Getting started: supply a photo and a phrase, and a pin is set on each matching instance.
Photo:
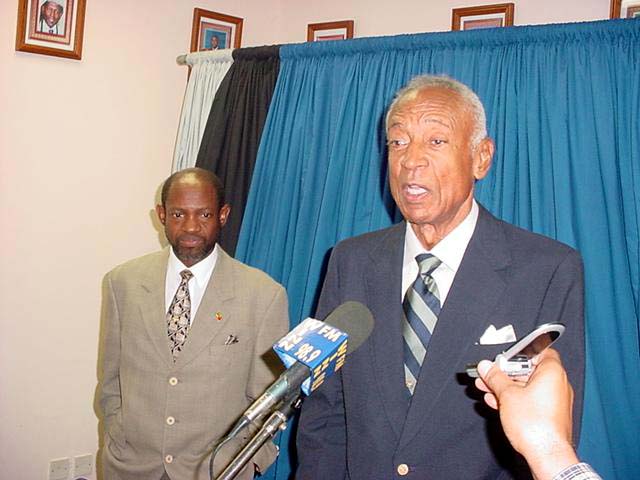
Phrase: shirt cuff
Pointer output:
(579, 471)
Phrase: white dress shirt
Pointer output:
(197, 284)
(449, 250)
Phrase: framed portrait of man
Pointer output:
(51, 27)
(214, 31)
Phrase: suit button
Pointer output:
(171, 420)
(403, 469)
(173, 381)
(168, 458)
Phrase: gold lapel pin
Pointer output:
(218, 316)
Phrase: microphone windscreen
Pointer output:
(354, 319)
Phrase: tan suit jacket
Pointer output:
(160, 415)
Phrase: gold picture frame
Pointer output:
(51, 27)
(321, 32)
(624, 9)
(213, 31)
(483, 16)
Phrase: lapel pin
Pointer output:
(218, 316)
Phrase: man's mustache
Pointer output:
(190, 237)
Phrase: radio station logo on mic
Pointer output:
(319, 346)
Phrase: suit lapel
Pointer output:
(206, 326)
(152, 305)
(477, 287)
(384, 268)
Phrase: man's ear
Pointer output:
(223, 214)
(482, 158)
(162, 215)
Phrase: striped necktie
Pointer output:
(421, 307)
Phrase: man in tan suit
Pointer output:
(187, 344)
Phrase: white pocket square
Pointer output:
(493, 336)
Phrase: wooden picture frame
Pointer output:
(51, 27)
(321, 32)
(214, 31)
(624, 9)
(483, 16)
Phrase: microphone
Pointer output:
(351, 317)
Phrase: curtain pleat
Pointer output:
(563, 104)
(207, 71)
(234, 128)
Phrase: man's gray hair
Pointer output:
(468, 96)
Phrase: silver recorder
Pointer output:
(516, 360)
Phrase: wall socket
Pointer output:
(83, 465)
(59, 469)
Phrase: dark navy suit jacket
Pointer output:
(362, 425)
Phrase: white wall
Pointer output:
(83, 148)
(373, 18)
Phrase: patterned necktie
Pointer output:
(179, 315)
(421, 307)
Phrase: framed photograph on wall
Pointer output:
(625, 9)
(51, 27)
(320, 32)
(483, 16)
(214, 31)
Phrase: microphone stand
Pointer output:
(276, 421)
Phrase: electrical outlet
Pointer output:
(59, 469)
(83, 465)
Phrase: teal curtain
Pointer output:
(563, 105)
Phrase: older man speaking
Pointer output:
(448, 286)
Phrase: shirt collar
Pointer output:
(451, 248)
(201, 270)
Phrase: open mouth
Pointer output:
(413, 191)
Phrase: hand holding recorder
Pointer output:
(536, 415)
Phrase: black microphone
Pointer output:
(352, 318)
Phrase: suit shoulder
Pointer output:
(253, 277)
(368, 241)
(536, 245)
(532, 239)
(137, 265)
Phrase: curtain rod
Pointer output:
(224, 55)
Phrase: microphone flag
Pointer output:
(317, 345)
